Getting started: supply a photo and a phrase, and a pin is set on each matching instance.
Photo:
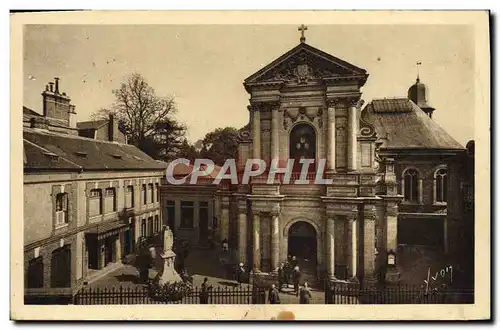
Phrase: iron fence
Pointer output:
(354, 293)
(141, 295)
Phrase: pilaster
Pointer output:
(331, 143)
(369, 274)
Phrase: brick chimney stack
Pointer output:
(57, 105)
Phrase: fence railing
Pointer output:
(141, 295)
(353, 293)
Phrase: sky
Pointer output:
(203, 66)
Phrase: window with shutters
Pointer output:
(61, 209)
(110, 200)
(95, 202)
(151, 191)
(129, 197)
(143, 227)
(144, 195)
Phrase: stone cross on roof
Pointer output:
(302, 30)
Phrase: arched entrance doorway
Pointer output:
(302, 145)
(302, 243)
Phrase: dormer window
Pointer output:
(81, 154)
(52, 156)
(116, 156)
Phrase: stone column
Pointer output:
(256, 133)
(330, 247)
(369, 276)
(275, 239)
(242, 230)
(224, 223)
(256, 242)
(353, 247)
(275, 146)
(330, 154)
(352, 137)
(217, 214)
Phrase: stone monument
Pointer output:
(169, 274)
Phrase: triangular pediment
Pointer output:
(305, 62)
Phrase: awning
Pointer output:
(108, 229)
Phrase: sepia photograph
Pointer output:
(226, 160)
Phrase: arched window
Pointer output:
(440, 185)
(302, 145)
(411, 189)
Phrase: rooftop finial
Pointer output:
(302, 30)
(418, 72)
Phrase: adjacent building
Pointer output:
(88, 197)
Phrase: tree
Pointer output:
(188, 151)
(220, 144)
(146, 118)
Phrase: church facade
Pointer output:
(390, 176)
(306, 105)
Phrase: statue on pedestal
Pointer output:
(169, 274)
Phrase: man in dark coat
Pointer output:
(305, 294)
(205, 288)
(281, 277)
(274, 297)
(240, 273)
(296, 275)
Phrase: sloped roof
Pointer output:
(95, 124)
(342, 66)
(29, 113)
(401, 124)
(75, 152)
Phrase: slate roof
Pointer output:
(405, 126)
(46, 150)
(29, 113)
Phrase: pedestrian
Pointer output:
(281, 277)
(296, 280)
(225, 245)
(240, 273)
(294, 262)
(205, 288)
(274, 297)
(305, 294)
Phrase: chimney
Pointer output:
(57, 85)
(112, 127)
(55, 105)
(72, 116)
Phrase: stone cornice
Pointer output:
(264, 105)
(349, 100)
(266, 198)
